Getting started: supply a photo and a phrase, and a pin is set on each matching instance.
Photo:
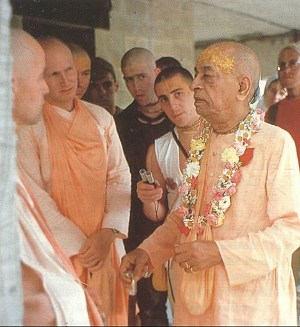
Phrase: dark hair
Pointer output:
(100, 67)
(165, 62)
(172, 71)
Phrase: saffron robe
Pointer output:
(254, 285)
(52, 292)
(34, 160)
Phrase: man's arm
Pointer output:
(118, 180)
(154, 197)
(32, 142)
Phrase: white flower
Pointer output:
(197, 145)
(192, 169)
(230, 155)
(224, 203)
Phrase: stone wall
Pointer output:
(165, 30)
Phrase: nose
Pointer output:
(136, 84)
(101, 89)
(196, 84)
(64, 79)
(173, 104)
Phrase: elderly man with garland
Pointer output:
(238, 223)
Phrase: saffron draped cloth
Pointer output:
(41, 251)
(197, 287)
(78, 176)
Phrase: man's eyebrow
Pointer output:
(162, 96)
(176, 90)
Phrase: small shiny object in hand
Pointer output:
(147, 273)
(128, 274)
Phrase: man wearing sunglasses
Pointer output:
(286, 113)
(104, 85)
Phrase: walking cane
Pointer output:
(132, 303)
(132, 299)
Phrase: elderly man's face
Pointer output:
(214, 85)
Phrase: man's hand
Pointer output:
(197, 255)
(96, 249)
(149, 193)
(136, 264)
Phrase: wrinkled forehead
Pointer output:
(218, 58)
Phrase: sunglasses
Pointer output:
(292, 64)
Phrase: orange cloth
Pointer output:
(254, 285)
(42, 256)
(35, 165)
(78, 174)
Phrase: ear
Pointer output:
(116, 83)
(157, 71)
(244, 88)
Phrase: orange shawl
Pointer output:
(78, 176)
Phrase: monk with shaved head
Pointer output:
(238, 222)
(53, 294)
(74, 163)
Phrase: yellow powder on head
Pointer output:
(218, 58)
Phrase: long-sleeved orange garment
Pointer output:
(254, 285)
(75, 166)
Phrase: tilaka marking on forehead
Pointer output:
(216, 57)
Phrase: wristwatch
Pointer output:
(115, 231)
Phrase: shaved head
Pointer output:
(233, 57)
(134, 55)
(60, 74)
(29, 86)
(23, 48)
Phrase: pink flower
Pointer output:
(227, 165)
(183, 189)
(212, 219)
(231, 190)
(217, 195)
(183, 211)
(236, 177)
(194, 181)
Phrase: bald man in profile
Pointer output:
(52, 292)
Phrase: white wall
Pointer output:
(150, 24)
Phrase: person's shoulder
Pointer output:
(126, 117)
(272, 134)
(100, 113)
(164, 138)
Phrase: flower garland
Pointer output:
(233, 157)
